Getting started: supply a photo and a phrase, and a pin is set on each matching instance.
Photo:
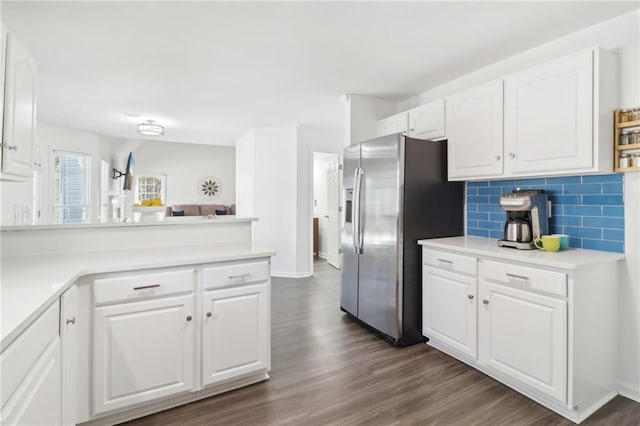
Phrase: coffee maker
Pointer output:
(527, 218)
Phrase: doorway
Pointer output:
(327, 185)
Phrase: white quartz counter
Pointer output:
(567, 259)
(30, 283)
(170, 221)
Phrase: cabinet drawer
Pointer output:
(235, 274)
(524, 277)
(450, 261)
(132, 287)
(20, 357)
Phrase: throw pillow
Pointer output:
(177, 213)
(221, 212)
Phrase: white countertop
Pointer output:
(31, 283)
(170, 221)
(570, 259)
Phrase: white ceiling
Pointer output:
(211, 71)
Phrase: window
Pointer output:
(70, 187)
(148, 187)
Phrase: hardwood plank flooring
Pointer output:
(328, 370)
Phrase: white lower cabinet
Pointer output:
(524, 335)
(31, 368)
(168, 336)
(38, 401)
(69, 336)
(449, 309)
(548, 333)
(235, 333)
(143, 351)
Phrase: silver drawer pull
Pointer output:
(144, 287)
(71, 321)
(239, 276)
(9, 147)
(446, 261)
(520, 277)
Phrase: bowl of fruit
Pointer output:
(148, 207)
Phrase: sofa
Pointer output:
(200, 209)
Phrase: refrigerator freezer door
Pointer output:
(349, 285)
(379, 287)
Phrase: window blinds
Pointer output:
(70, 192)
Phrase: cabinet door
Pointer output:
(37, 401)
(449, 310)
(19, 110)
(142, 351)
(427, 121)
(474, 132)
(524, 336)
(394, 124)
(549, 116)
(69, 336)
(236, 333)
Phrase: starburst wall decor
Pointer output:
(209, 187)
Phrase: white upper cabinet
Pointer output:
(549, 118)
(395, 124)
(474, 132)
(427, 121)
(19, 110)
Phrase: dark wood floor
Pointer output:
(328, 370)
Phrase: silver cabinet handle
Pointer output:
(498, 157)
(189, 318)
(512, 154)
(145, 287)
(71, 321)
(470, 296)
(209, 314)
(412, 130)
(520, 277)
(450, 262)
(9, 147)
(485, 301)
(239, 276)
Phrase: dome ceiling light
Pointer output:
(150, 128)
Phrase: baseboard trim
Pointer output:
(629, 391)
(322, 255)
(279, 274)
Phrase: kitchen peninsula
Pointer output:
(131, 318)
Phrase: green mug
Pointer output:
(548, 243)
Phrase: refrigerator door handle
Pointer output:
(354, 210)
(357, 224)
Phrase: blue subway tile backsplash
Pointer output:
(590, 209)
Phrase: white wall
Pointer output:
(275, 184)
(361, 114)
(52, 138)
(620, 35)
(321, 163)
(184, 164)
(267, 189)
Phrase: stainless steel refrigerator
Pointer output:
(396, 192)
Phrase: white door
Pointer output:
(427, 121)
(69, 337)
(38, 400)
(142, 351)
(549, 116)
(19, 110)
(474, 132)
(333, 232)
(524, 336)
(449, 309)
(235, 333)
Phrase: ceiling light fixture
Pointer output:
(150, 128)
